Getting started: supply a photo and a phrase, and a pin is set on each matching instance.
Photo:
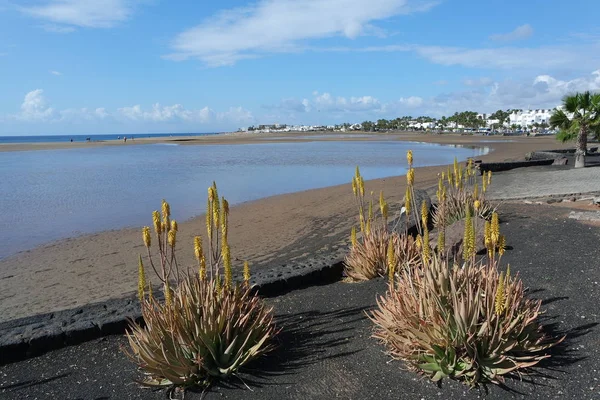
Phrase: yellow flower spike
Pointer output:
(209, 215)
(362, 186)
(202, 270)
(410, 176)
(475, 191)
(227, 264)
(467, 250)
(455, 165)
(487, 235)
(167, 294)
(216, 213)
(426, 247)
(441, 243)
(174, 225)
(353, 239)
(424, 213)
(419, 242)
(495, 229)
(500, 299)
(449, 177)
(384, 211)
(163, 227)
(146, 236)
(370, 210)
(225, 205)
(354, 186)
(391, 261)
(141, 279)
(409, 157)
(501, 245)
(166, 209)
(368, 227)
(362, 223)
(477, 205)
(198, 252)
(381, 201)
(156, 222)
(215, 191)
(357, 172)
(224, 218)
(211, 193)
(246, 273)
(489, 178)
(172, 238)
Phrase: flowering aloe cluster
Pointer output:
(379, 251)
(458, 193)
(208, 326)
(466, 318)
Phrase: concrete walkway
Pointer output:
(537, 182)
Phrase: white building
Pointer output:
(526, 118)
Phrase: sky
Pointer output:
(158, 66)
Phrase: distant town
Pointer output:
(534, 121)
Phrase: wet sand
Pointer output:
(270, 231)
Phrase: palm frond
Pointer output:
(560, 120)
(571, 103)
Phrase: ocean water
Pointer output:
(52, 194)
(83, 138)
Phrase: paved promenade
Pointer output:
(544, 182)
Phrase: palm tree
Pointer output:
(581, 115)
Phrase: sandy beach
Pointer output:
(96, 267)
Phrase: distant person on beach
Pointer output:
(71, 140)
(124, 139)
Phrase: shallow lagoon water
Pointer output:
(53, 194)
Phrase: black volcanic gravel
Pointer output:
(326, 350)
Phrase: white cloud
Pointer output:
(56, 73)
(570, 57)
(34, 107)
(543, 91)
(476, 82)
(326, 102)
(80, 13)
(520, 32)
(412, 101)
(274, 26)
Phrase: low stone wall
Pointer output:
(505, 166)
(31, 336)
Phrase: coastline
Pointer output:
(100, 266)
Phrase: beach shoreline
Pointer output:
(96, 267)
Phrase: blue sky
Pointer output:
(126, 66)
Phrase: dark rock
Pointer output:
(454, 235)
(561, 161)
(508, 165)
(543, 155)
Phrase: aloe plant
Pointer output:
(208, 326)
